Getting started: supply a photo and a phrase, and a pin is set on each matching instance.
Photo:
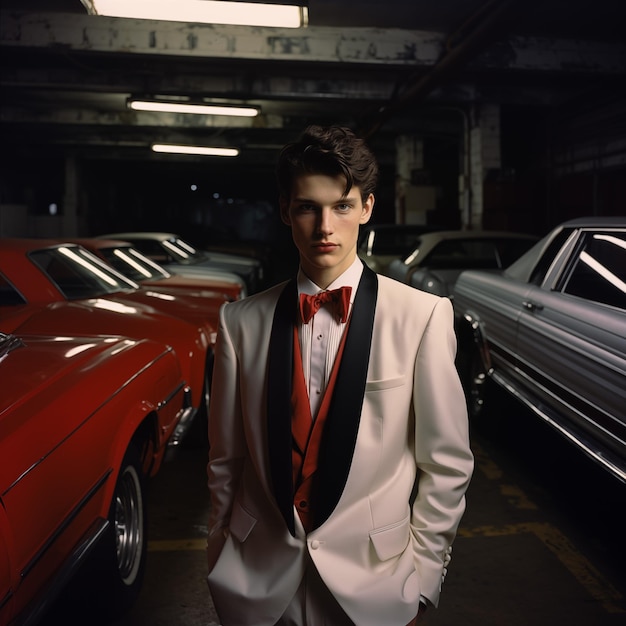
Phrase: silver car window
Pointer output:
(599, 271)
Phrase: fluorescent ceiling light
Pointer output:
(198, 109)
(200, 150)
(273, 14)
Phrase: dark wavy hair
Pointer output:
(331, 151)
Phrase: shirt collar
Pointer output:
(350, 278)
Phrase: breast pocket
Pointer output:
(386, 383)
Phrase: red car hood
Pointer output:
(49, 359)
(101, 316)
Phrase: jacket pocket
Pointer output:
(387, 383)
(241, 522)
(391, 540)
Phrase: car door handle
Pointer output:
(532, 306)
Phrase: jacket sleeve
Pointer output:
(442, 451)
(226, 440)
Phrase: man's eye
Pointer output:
(344, 207)
(306, 208)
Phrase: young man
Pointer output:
(339, 454)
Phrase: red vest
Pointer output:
(306, 432)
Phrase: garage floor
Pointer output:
(542, 541)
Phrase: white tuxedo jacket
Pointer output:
(394, 461)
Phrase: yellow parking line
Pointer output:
(513, 494)
(517, 497)
(584, 572)
(486, 465)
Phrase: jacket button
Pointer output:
(315, 544)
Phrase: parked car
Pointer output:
(438, 258)
(380, 244)
(551, 330)
(136, 266)
(84, 422)
(52, 288)
(180, 257)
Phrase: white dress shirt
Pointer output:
(320, 338)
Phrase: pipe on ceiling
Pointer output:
(473, 34)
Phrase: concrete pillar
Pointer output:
(485, 155)
(412, 201)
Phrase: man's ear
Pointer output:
(283, 204)
(368, 207)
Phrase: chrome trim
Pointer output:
(8, 343)
(569, 397)
(172, 395)
(182, 428)
(532, 377)
(188, 415)
(479, 339)
(555, 268)
(596, 455)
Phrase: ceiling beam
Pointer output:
(233, 86)
(323, 44)
(354, 46)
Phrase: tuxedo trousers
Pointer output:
(313, 604)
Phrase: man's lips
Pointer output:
(326, 246)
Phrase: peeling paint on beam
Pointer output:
(328, 45)
(357, 46)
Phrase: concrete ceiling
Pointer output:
(382, 67)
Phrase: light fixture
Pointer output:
(197, 150)
(273, 13)
(190, 107)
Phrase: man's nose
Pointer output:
(324, 224)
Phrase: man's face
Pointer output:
(325, 224)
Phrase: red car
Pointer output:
(133, 264)
(84, 421)
(57, 289)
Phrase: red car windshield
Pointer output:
(79, 274)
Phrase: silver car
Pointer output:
(180, 257)
(436, 259)
(551, 330)
(380, 244)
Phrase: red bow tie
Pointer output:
(340, 299)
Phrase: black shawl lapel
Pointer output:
(342, 422)
(279, 401)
